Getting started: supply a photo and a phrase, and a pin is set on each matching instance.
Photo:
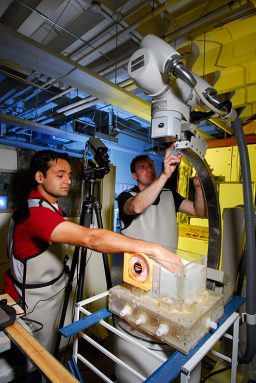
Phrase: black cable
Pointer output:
(214, 373)
(52, 296)
(33, 321)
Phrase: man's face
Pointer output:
(144, 172)
(57, 181)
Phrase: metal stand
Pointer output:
(89, 206)
(177, 365)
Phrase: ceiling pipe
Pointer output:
(75, 104)
(25, 81)
(83, 103)
(69, 90)
(131, 27)
(32, 93)
(120, 21)
(82, 107)
(79, 50)
(54, 23)
(90, 101)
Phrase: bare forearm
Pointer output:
(146, 197)
(109, 242)
(105, 241)
(200, 203)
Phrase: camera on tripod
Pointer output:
(100, 167)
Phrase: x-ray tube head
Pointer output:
(162, 51)
(146, 68)
(143, 69)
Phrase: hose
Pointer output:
(249, 353)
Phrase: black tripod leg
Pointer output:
(80, 288)
(86, 220)
(97, 206)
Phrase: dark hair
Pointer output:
(141, 157)
(41, 161)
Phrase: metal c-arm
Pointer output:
(157, 68)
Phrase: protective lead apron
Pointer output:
(43, 304)
(157, 224)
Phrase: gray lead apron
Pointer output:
(157, 223)
(44, 303)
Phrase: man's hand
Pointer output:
(171, 161)
(168, 259)
(196, 181)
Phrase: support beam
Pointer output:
(32, 55)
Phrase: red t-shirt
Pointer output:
(32, 236)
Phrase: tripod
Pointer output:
(89, 206)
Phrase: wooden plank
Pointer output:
(45, 362)
(42, 359)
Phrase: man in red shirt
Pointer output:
(38, 230)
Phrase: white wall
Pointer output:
(8, 162)
(8, 158)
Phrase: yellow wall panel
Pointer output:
(231, 78)
(225, 162)
(231, 194)
(248, 111)
(252, 157)
(235, 165)
(226, 46)
(193, 239)
(220, 161)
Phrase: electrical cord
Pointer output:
(35, 322)
(214, 373)
(52, 296)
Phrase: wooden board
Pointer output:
(42, 359)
